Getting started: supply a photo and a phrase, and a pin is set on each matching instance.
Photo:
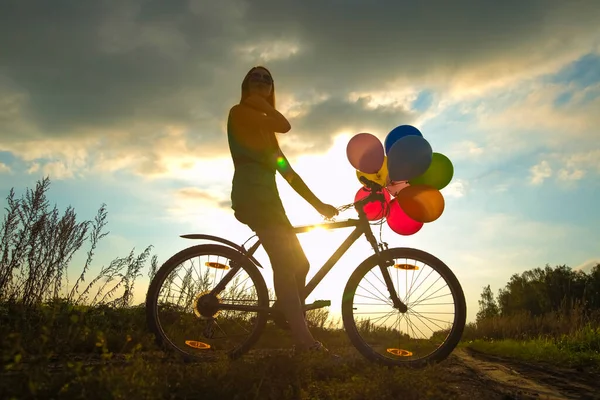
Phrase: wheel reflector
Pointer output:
(400, 352)
(216, 265)
(197, 345)
(406, 267)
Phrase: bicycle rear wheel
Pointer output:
(187, 319)
(431, 327)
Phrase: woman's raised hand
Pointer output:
(259, 103)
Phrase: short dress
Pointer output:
(254, 195)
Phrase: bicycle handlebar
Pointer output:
(375, 195)
(374, 186)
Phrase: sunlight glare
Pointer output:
(318, 228)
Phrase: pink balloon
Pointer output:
(395, 187)
(374, 210)
(401, 223)
(365, 153)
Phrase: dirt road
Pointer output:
(490, 377)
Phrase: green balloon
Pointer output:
(438, 175)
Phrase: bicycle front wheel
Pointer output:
(186, 314)
(430, 328)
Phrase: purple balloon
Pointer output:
(365, 153)
(408, 158)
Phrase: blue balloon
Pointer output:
(408, 158)
(398, 133)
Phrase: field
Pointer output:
(62, 351)
(540, 338)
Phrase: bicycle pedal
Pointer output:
(317, 304)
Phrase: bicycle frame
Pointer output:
(361, 227)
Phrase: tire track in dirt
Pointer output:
(524, 381)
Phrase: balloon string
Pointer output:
(345, 207)
(351, 205)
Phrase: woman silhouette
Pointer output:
(256, 155)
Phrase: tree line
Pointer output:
(541, 291)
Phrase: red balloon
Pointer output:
(374, 210)
(401, 223)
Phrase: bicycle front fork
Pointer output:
(398, 304)
(383, 266)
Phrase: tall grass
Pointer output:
(37, 245)
(567, 337)
(42, 314)
(523, 326)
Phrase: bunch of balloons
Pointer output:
(410, 173)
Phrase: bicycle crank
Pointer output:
(206, 306)
(208, 331)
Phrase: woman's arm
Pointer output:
(285, 169)
(297, 183)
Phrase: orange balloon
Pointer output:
(422, 203)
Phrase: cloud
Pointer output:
(506, 129)
(269, 50)
(4, 168)
(587, 265)
(575, 166)
(190, 205)
(567, 167)
(574, 175)
(112, 78)
(441, 44)
(33, 168)
(457, 188)
(57, 170)
(196, 195)
(532, 109)
(540, 172)
(321, 121)
(466, 149)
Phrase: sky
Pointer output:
(125, 103)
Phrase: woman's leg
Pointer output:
(290, 268)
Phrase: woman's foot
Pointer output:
(317, 348)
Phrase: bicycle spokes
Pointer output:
(419, 329)
(189, 307)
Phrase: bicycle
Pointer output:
(230, 294)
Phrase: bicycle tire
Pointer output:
(152, 319)
(455, 334)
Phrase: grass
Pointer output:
(60, 350)
(276, 377)
(57, 350)
(540, 351)
(570, 339)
